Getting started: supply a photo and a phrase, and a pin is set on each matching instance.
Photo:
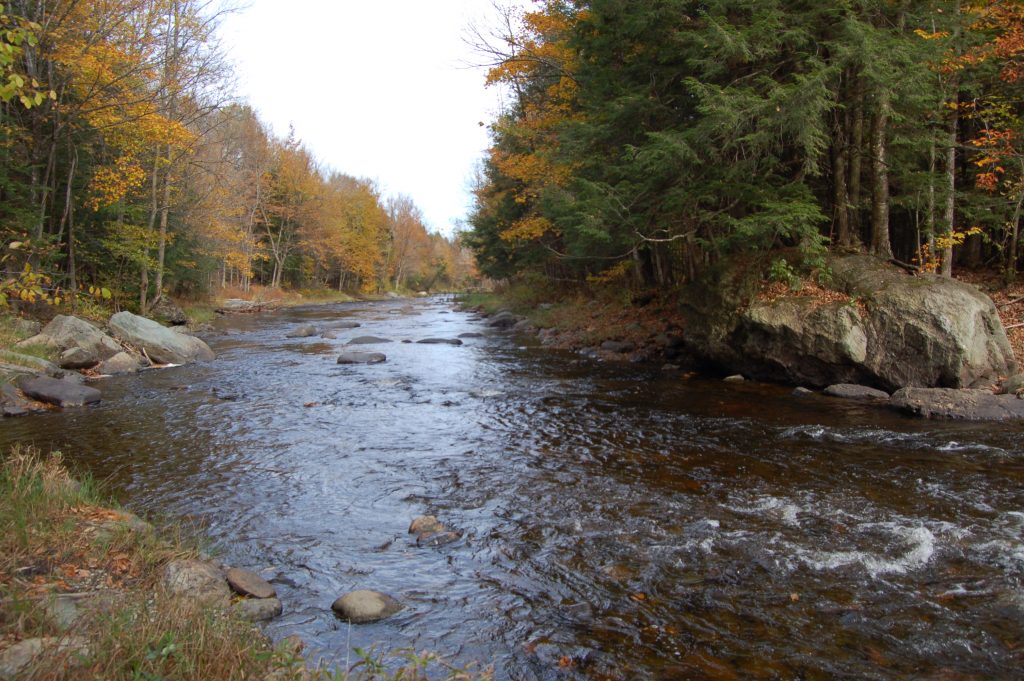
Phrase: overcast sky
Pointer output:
(374, 88)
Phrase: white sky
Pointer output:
(375, 88)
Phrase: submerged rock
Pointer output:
(967, 405)
(362, 358)
(368, 340)
(346, 325)
(435, 539)
(59, 392)
(161, 344)
(364, 606)
(440, 341)
(304, 331)
(471, 334)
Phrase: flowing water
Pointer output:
(618, 523)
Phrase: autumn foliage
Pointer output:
(126, 165)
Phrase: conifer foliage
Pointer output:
(656, 137)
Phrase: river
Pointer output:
(618, 523)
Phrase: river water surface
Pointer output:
(618, 523)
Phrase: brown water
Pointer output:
(618, 523)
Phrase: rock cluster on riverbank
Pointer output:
(128, 344)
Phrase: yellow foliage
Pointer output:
(533, 227)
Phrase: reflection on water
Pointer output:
(618, 523)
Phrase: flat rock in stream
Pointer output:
(471, 334)
(368, 340)
(362, 358)
(346, 325)
(950, 403)
(440, 341)
(851, 391)
(249, 583)
(364, 606)
(59, 392)
(618, 347)
(304, 331)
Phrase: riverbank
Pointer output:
(85, 595)
(649, 328)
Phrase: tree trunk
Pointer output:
(856, 149)
(950, 214)
(840, 197)
(880, 244)
(161, 247)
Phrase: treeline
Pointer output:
(125, 166)
(649, 139)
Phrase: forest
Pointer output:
(645, 141)
(130, 170)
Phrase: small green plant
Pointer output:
(782, 272)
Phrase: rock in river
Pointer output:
(362, 358)
(58, 392)
(967, 405)
(368, 340)
(851, 391)
(161, 344)
(363, 606)
(259, 609)
(425, 523)
(440, 341)
(249, 583)
(304, 331)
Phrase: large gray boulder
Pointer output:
(894, 330)
(82, 345)
(161, 344)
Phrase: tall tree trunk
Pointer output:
(840, 197)
(880, 244)
(856, 153)
(930, 215)
(161, 247)
(950, 214)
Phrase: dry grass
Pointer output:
(57, 537)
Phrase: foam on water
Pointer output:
(918, 542)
